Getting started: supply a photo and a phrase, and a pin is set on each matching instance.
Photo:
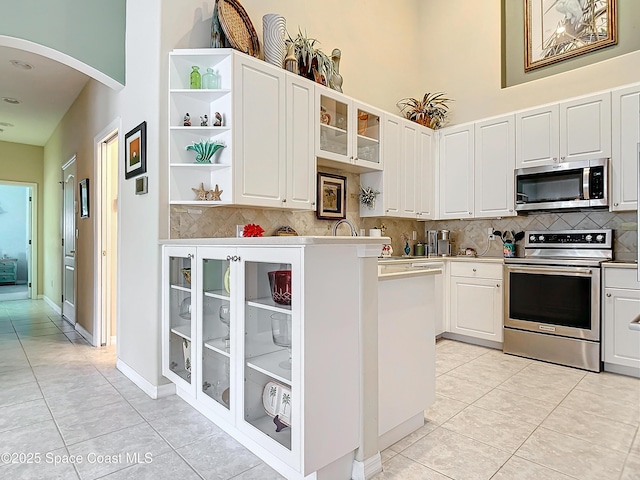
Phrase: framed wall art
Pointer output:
(332, 197)
(556, 30)
(135, 151)
(83, 186)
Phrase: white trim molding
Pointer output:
(86, 335)
(56, 308)
(153, 391)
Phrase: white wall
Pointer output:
(14, 226)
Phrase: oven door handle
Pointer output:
(635, 324)
(551, 270)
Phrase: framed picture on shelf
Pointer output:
(556, 31)
(332, 197)
(84, 198)
(135, 151)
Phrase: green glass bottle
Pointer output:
(195, 77)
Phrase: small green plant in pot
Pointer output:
(205, 149)
(431, 111)
(310, 58)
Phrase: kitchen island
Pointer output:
(296, 315)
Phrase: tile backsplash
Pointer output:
(473, 233)
(205, 222)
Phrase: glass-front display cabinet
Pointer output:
(348, 132)
(216, 338)
(271, 332)
(180, 323)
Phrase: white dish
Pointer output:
(276, 400)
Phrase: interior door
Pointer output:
(69, 240)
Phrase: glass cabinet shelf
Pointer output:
(181, 288)
(267, 303)
(269, 364)
(218, 345)
(220, 294)
(183, 331)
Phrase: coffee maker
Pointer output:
(439, 243)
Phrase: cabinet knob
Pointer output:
(608, 294)
(313, 204)
(562, 159)
(498, 285)
(284, 200)
(555, 159)
(189, 256)
(229, 258)
(470, 213)
(510, 210)
(615, 204)
(474, 269)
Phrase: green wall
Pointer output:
(91, 31)
(513, 43)
(25, 163)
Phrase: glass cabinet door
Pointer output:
(334, 128)
(368, 136)
(269, 337)
(217, 334)
(181, 316)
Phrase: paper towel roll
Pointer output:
(375, 232)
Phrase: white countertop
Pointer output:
(620, 264)
(440, 259)
(284, 240)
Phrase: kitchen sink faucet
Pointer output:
(344, 220)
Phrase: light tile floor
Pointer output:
(496, 417)
(508, 418)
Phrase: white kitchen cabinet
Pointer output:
(179, 348)
(348, 132)
(301, 161)
(426, 174)
(235, 357)
(259, 133)
(476, 300)
(585, 128)
(494, 167)
(409, 170)
(456, 162)
(578, 129)
(267, 127)
(621, 304)
(537, 136)
(625, 128)
(406, 184)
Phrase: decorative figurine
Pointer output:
(204, 121)
(187, 120)
(215, 194)
(201, 193)
(336, 78)
(218, 120)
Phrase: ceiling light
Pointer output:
(19, 64)
(6, 124)
(12, 101)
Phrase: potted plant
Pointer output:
(431, 111)
(311, 58)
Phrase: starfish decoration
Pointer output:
(201, 192)
(216, 193)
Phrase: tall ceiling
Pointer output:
(45, 92)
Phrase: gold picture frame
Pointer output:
(556, 30)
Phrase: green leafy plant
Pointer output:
(310, 57)
(368, 196)
(205, 150)
(431, 111)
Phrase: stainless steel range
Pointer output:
(552, 302)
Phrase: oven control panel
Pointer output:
(573, 238)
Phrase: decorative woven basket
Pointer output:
(237, 27)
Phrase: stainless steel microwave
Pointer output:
(567, 185)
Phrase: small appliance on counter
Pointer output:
(444, 243)
(432, 242)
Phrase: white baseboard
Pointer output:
(114, 339)
(368, 468)
(153, 391)
(87, 336)
(51, 303)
